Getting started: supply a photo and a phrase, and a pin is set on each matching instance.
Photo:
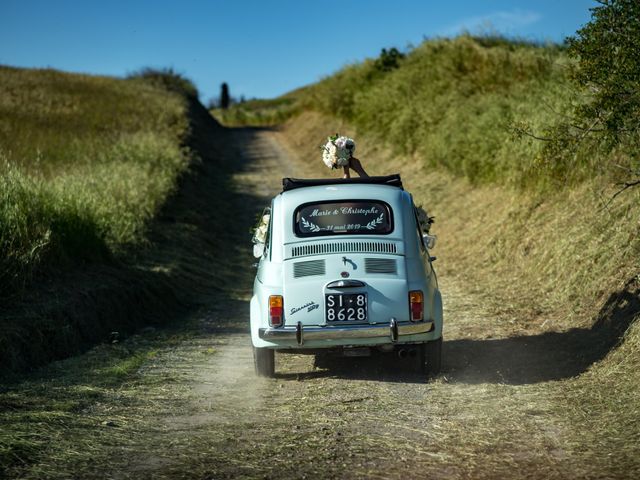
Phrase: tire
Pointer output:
(321, 360)
(433, 357)
(264, 362)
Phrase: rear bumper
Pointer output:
(393, 331)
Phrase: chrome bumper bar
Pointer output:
(393, 330)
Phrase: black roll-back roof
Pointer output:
(293, 183)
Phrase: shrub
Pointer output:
(168, 79)
(389, 59)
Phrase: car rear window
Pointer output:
(343, 217)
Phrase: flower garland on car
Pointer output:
(337, 151)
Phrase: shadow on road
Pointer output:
(547, 356)
(515, 361)
(378, 367)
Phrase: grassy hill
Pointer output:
(85, 163)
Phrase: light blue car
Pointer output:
(344, 264)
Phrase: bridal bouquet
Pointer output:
(337, 151)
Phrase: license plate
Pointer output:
(350, 307)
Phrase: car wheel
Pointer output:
(264, 361)
(433, 354)
(322, 360)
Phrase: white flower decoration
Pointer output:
(337, 151)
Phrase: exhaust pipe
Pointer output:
(406, 352)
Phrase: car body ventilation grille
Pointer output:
(343, 247)
(307, 269)
(380, 265)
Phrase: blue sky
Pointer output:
(260, 48)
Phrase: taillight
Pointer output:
(416, 305)
(275, 310)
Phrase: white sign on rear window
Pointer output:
(346, 217)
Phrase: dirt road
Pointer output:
(353, 419)
(195, 409)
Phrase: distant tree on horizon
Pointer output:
(225, 99)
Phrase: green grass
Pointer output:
(127, 366)
(258, 113)
(452, 102)
(85, 163)
(51, 412)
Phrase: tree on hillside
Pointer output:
(606, 74)
(225, 99)
(608, 68)
(389, 59)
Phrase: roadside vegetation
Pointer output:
(451, 102)
(85, 163)
(258, 112)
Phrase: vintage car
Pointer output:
(345, 264)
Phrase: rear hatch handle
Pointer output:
(346, 284)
